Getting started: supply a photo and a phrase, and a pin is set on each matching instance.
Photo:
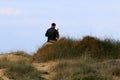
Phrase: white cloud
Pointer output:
(11, 11)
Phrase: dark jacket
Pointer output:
(52, 34)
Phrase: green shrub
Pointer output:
(89, 77)
(21, 70)
(87, 73)
(83, 69)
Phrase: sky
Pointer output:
(23, 23)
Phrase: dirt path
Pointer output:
(43, 67)
(2, 74)
(46, 69)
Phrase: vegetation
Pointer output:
(67, 48)
(20, 53)
(1, 78)
(84, 69)
(21, 70)
(89, 58)
(4, 62)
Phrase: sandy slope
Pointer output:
(46, 69)
(9, 57)
(46, 66)
(2, 74)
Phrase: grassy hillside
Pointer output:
(89, 58)
(15, 66)
(67, 48)
(86, 69)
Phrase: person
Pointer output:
(52, 33)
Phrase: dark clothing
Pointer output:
(52, 34)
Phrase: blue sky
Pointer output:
(23, 23)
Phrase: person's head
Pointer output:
(53, 25)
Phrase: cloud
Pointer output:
(11, 11)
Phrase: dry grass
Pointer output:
(67, 48)
(86, 69)
(17, 67)
(22, 70)
(85, 59)
(4, 62)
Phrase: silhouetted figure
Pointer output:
(52, 33)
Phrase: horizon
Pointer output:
(23, 23)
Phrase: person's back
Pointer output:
(52, 33)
